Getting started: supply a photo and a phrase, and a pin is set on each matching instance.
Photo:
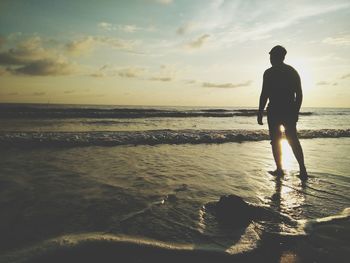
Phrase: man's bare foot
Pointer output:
(303, 174)
(277, 172)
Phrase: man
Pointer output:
(282, 87)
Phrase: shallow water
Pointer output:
(158, 192)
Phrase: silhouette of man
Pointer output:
(282, 87)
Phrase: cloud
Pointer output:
(131, 72)
(190, 81)
(226, 85)
(45, 67)
(116, 43)
(229, 22)
(338, 41)
(164, 79)
(14, 36)
(29, 57)
(124, 72)
(163, 2)
(198, 43)
(323, 83)
(165, 73)
(124, 28)
(25, 52)
(97, 74)
(326, 83)
(35, 57)
(11, 57)
(129, 28)
(184, 29)
(101, 72)
(105, 26)
(345, 76)
(88, 43)
(81, 46)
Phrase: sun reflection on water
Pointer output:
(287, 155)
(288, 196)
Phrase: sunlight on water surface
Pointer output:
(287, 155)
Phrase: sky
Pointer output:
(170, 52)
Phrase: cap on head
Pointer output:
(278, 51)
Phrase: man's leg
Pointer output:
(293, 140)
(275, 136)
(277, 151)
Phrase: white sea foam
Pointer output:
(152, 137)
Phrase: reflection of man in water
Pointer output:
(282, 87)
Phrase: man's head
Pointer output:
(277, 55)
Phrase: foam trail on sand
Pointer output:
(105, 245)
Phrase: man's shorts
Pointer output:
(275, 120)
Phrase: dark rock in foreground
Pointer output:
(231, 210)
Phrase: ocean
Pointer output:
(92, 183)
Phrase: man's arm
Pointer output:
(263, 100)
(298, 95)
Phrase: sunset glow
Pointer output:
(175, 52)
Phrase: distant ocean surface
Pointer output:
(82, 178)
(111, 125)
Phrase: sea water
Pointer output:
(71, 175)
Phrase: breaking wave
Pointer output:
(153, 137)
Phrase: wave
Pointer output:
(152, 137)
(92, 247)
(60, 112)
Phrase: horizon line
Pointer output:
(137, 105)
